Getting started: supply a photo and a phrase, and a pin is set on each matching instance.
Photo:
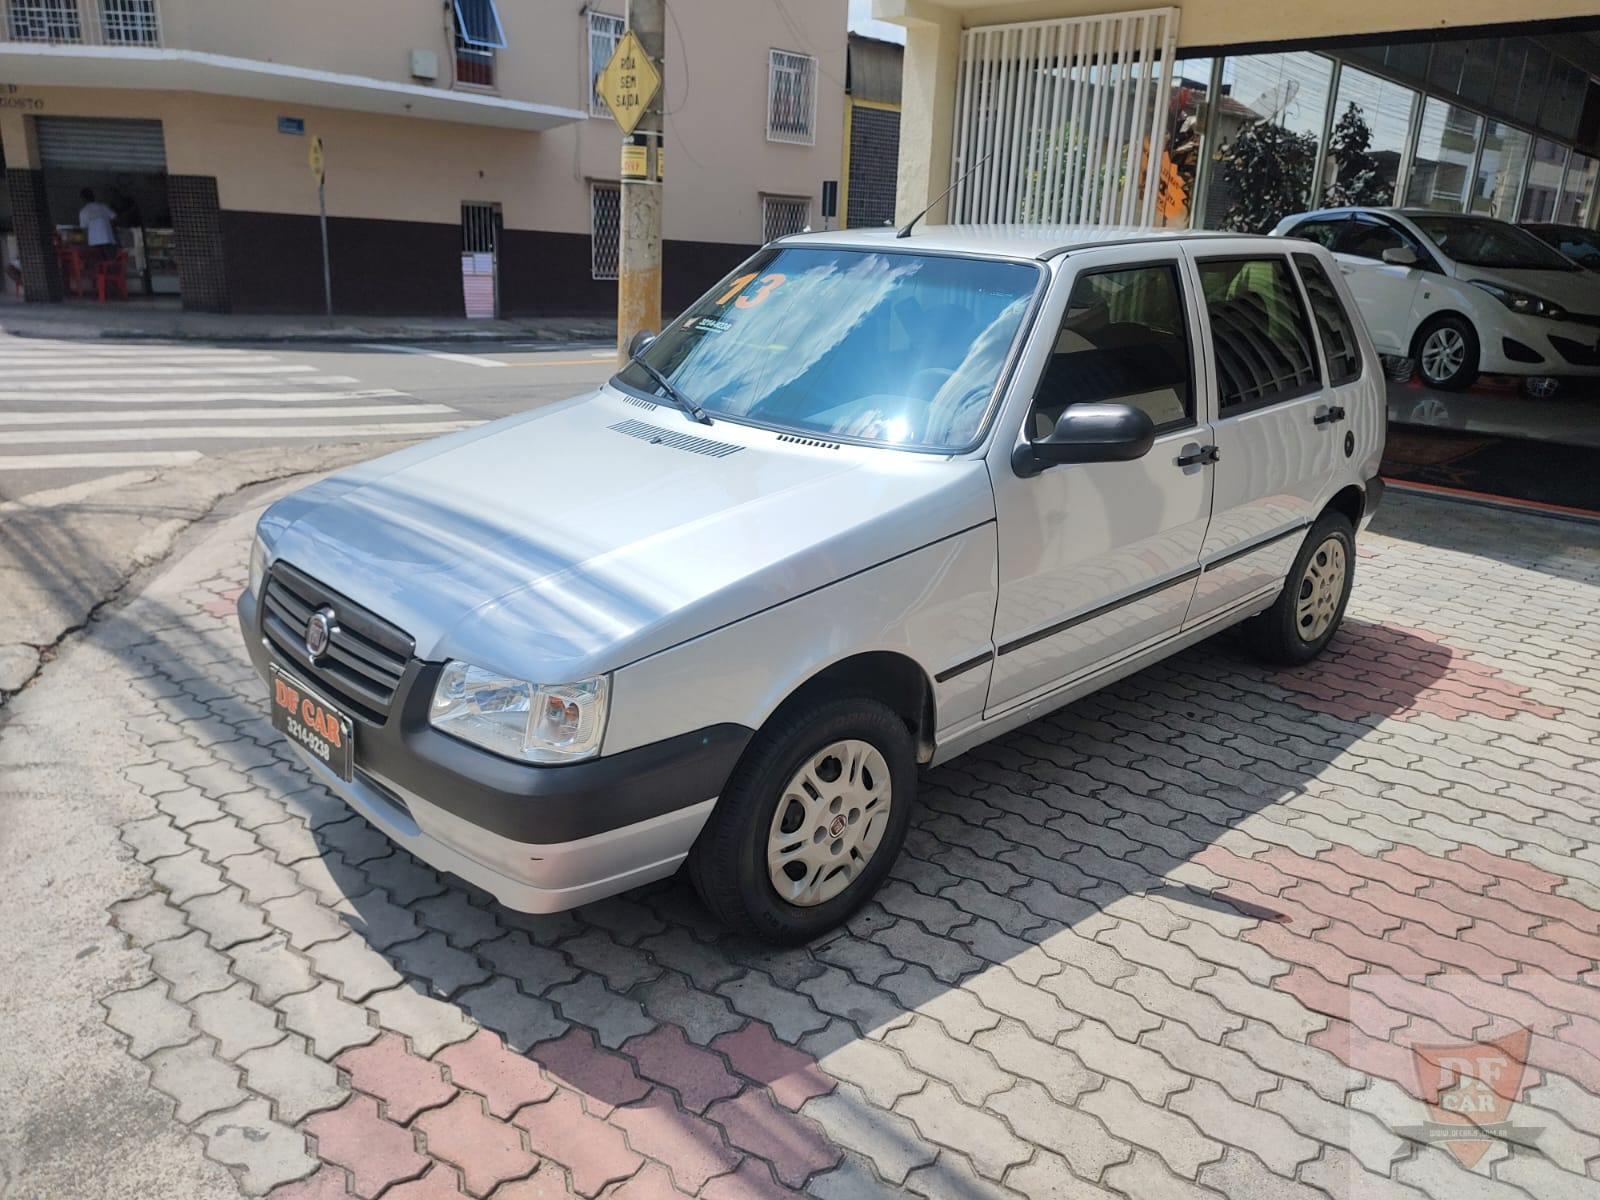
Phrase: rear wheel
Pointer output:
(1446, 351)
(1308, 612)
(810, 822)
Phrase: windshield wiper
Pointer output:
(692, 409)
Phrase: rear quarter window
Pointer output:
(1260, 335)
(1340, 345)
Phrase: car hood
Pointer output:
(1576, 291)
(580, 537)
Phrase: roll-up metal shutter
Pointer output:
(101, 143)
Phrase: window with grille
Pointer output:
(478, 35)
(605, 229)
(44, 21)
(792, 98)
(783, 215)
(131, 22)
(605, 31)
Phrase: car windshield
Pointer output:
(1479, 242)
(894, 349)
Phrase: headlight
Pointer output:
(1522, 302)
(258, 565)
(533, 722)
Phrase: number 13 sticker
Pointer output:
(769, 284)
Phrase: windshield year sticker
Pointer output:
(768, 284)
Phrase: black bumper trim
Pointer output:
(1374, 496)
(535, 805)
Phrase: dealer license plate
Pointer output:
(321, 729)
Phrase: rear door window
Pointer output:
(1125, 340)
(1340, 346)
(1369, 239)
(1260, 334)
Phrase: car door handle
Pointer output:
(1205, 454)
(1330, 416)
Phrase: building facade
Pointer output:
(871, 131)
(461, 141)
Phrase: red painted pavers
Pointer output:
(1453, 952)
(1500, 1001)
(377, 1153)
(405, 1082)
(1325, 959)
(752, 1181)
(1351, 909)
(593, 1152)
(1481, 908)
(1376, 1056)
(602, 1078)
(1385, 952)
(794, 1146)
(698, 1076)
(691, 1148)
(1259, 873)
(651, 1183)
(439, 1183)
(1367, 867)
(1425, 868)
(1421, 1000)
(1369, 1014)
(1535, 952)
(1412, 908)
(1507, 868)
(1560, 908)
(326, 1183)
(487, 1151)
(505, 1079)
(757, 1054)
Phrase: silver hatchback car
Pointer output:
(871, 501)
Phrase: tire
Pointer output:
(1446, 353)
(729, 862)
(1283, 635)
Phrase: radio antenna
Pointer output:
(905, 230)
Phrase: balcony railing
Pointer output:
(81, 22)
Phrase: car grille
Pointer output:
(1579, 354)
(366, 656)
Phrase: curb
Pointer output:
(339, 336)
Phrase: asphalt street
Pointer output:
(77, 418)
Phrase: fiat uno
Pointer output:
(872, 501)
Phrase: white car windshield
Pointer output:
(1479, 242)
(895, 349)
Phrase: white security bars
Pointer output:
(791, 98)
(1067, 118)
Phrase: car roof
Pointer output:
(1005, 241)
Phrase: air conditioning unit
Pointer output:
(424, 64)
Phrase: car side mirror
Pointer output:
(640, 342)
(1400, 256)
(1086, 433)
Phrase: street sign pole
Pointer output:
(639, 266)
(319, 169)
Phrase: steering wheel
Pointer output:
(925, 384)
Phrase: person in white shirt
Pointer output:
(99, 222)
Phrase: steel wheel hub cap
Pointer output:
(1443, 353)
(829, 822)
(1321, 588)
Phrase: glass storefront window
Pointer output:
(1269, 120)
(1372, 119)
(1180, 164)
(1445, 145)
(1577, 190)
(1544, 181)
(1505, 154)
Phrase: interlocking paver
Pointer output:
(794, 1146)
(613, 1017)
(791, 1076)
(428, 1024)
(698, 1076)
(266, 1152)
(850, 1119)
(296, 1081)
(190, 965)
(1265, 1134)
(376, 1152)
(354, 966)
(692, 1148)
(790, 1014)
(1073, 1134)
(272, 968)
(486, 1151)
(196, 1078)
(236, 1020)
(1183, 1147)
(404, 1082)
(971, 1072)
(593, 1152)
(331, 1024)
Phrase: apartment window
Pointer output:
(605, 229)
(1441, 167)
(605, 31)
(792, 98)
(1260, 335)
(478, 35)
(131, 22)
(783, 215)
(44, 21)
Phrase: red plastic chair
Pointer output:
(112, 276)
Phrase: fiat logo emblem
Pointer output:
(837, 827)
(318, 631)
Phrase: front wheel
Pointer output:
(810, 822)
(1307, 613)
(1447, 354)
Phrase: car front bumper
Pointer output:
(538, 838)
(1522, 345)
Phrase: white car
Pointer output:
(870, 502)
(1461, 295)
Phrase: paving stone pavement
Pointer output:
(1180, 939)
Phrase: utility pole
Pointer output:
(639, 265)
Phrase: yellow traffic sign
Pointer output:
(629, 82)
(314, 157)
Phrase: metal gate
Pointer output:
(1064, 120)
(480, 259)
(101, 143)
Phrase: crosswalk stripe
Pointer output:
(98, 459)
(41, 437)
(139, 415)
(264, 369)
(472, 359)
(192, 397)
(12, 349)
(198, 381)
(29, 361)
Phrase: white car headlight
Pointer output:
(258, 565)
(1522, 302)
(533, 722)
